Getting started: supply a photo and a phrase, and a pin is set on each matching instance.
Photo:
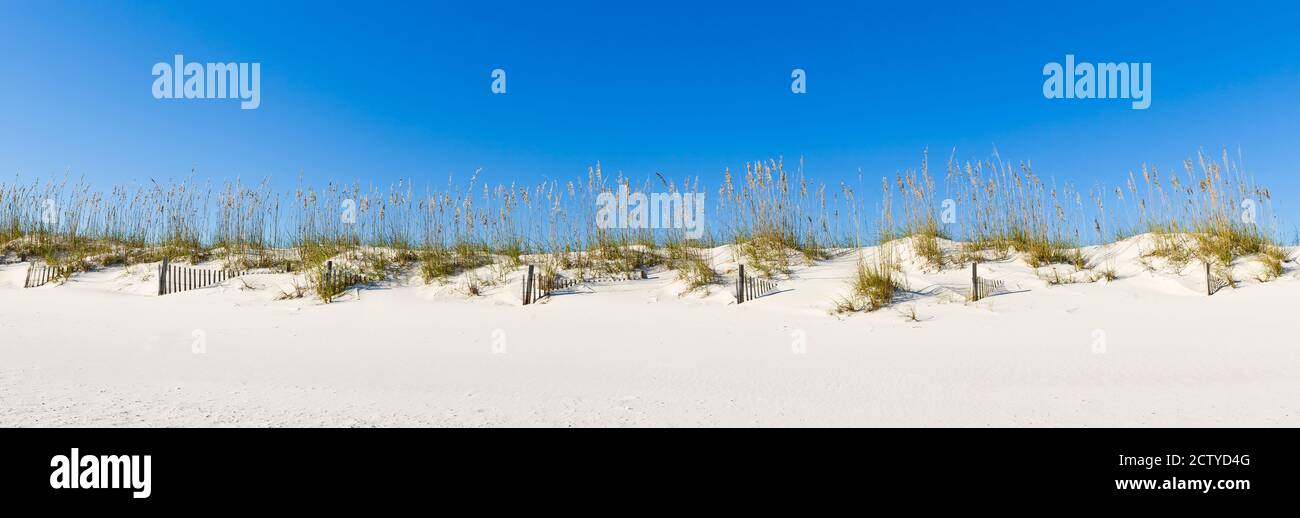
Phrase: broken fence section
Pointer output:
(750, 288)
(175, 279)
(42, 275)
(338, 281)
(537, 286)
(981, 287)
(1214, 283)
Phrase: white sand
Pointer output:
(103, 350)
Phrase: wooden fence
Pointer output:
(175, 279)
(981, 287)
(336, 282)
(1214, 283)
(750, 288)
(42, 275)
(538, 286)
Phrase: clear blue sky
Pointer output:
(373, 91)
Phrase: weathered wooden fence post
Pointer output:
(533, 284)
(974, 281)
(740, 287)
(528, 290)
(1209, 287)
(523, 293)
(162, 277)
(329, 277)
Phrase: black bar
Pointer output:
(963, 468)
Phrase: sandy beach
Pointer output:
(1147, 349)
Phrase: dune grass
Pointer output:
(772, 220)
(872, 287)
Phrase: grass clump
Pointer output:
(773, 215)
(927, 247)
(1271, 257)
(872, 287)
(917, 188)
(691, 265)
(767, 255)
(440, 263)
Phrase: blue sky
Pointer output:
(373, 92)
